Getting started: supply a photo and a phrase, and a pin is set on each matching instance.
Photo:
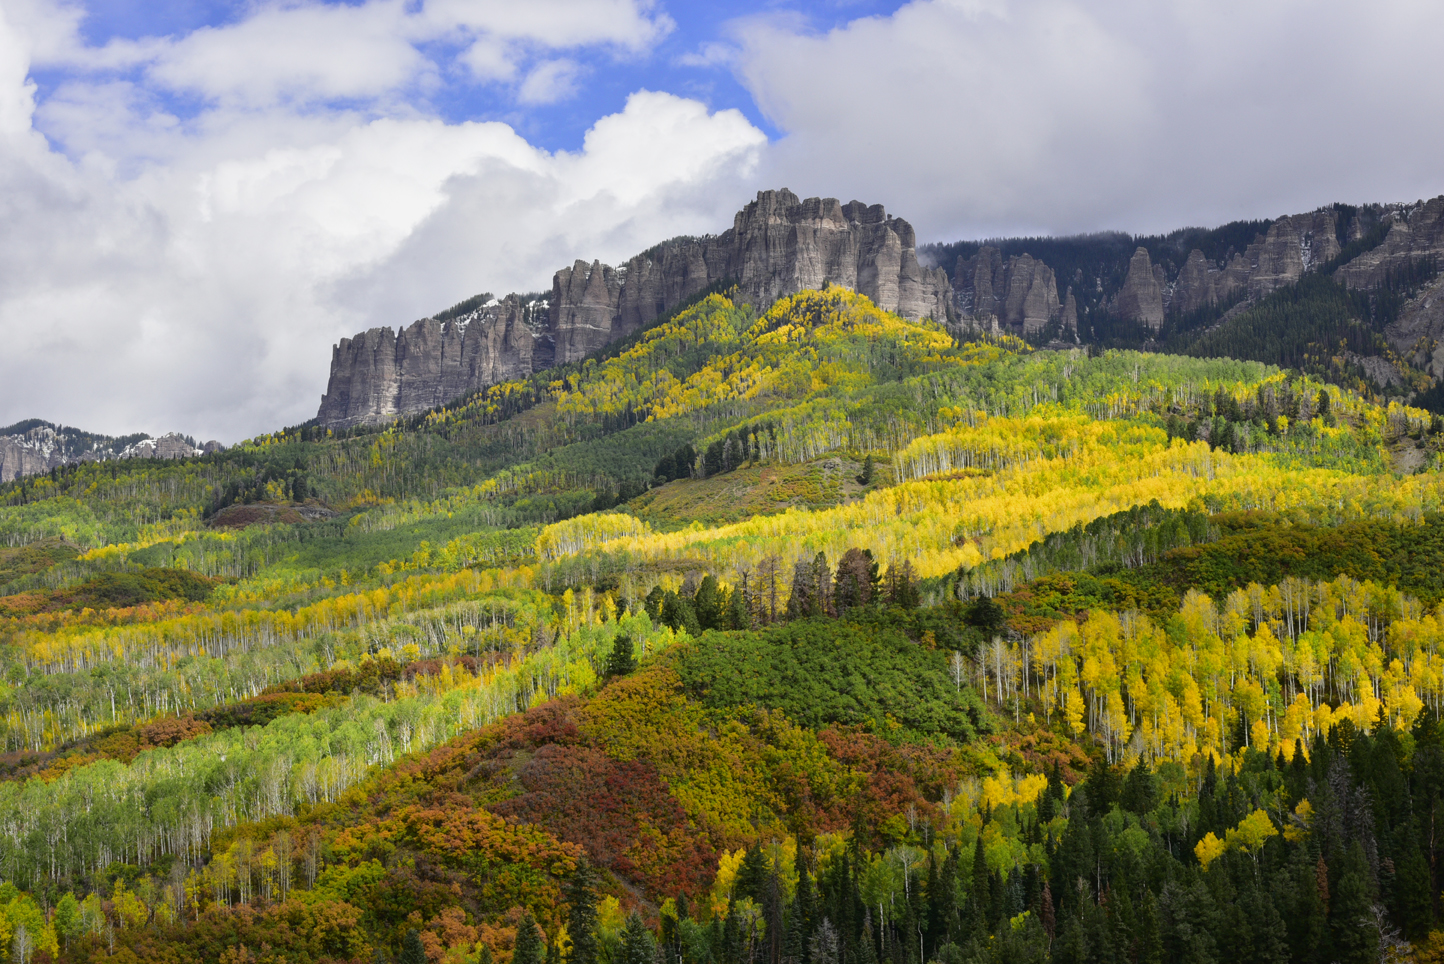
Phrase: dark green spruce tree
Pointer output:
(582, 915)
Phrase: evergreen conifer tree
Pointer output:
(637, 944)
(412, 950)
(582, 916)
(621, 662)
(529, 948)
(1351, 920)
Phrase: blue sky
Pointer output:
(606, 79)
(201, 198)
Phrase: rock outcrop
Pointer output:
(1416, 234)
(172, 445)
(1418, 334)
(28, 453)
(1201, 283)
(40, 446)
(1291, 246)
(1014, 295)
(1019, 296)
(380, 373)
(1141, 298)
(777, 245)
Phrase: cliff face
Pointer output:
(30, 453)
(777, 245)
(1142, 296)
(1415, 235)
(42, 446)
(379, 373)
(1019, 296)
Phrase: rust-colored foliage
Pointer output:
(619, 810)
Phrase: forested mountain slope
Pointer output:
(813, 634)
(1347, 293)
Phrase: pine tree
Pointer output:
(707, 604)
(1140, 790)
(752, 875)
(739, 608)
(638, 946)
(799, 601)
(1351, 919)
(979, 892)
(582, 915)
(1413, 906)
(804, 907)
(529, 948)
(732, 937)
(621, 662)
(820, 603)
(412, 950)
(653, 603)
(867, 946)
(1150, 940)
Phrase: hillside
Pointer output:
(1345, 293)
(35, 446)
(812, 634)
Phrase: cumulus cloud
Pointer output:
(978, 116)
(309, 51)
(550, 82)
(305, 52)
(159, 272)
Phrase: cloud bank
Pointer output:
(975, 117)
(159, 272)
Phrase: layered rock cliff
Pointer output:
(1021, 295)
(1142, 296)
(35, 446)
(1415, 235)
(1018, 295)
(380, 373)
(777, 245)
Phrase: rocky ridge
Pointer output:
(35, 447)
(1415, 234)
(777, 245)
(1020, 295)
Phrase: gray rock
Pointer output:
(1417, 233)
(169, 446)
(1141, 298)
(777, 246)
(1019, 296)
(45, 446)
(1418, 334)
(379, 374)
(29, 453)
(1291, 246)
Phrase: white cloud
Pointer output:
(489, 59)
(972, 117)
(549, 82)
(17, 92)
(630, 24)
(194, 274)
(303, 51)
